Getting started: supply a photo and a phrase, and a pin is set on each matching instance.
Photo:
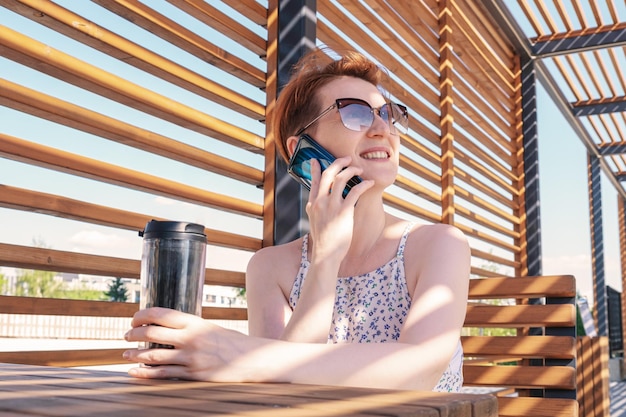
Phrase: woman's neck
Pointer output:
(369, 224)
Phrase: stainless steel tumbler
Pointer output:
(173, 263)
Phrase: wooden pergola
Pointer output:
(578, 52)
(116, 112)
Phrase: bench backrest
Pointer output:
(533, 371)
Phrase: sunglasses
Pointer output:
(358, 115)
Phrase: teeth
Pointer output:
(375, 155)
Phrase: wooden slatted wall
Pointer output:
(462, 163)
(116, 112)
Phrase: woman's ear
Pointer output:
(292, 141)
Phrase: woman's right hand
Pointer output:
(331, 217)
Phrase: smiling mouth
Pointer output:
(375, 155)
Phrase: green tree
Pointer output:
(83, 293)
(32, 283)
(117, 291)
(3, 284)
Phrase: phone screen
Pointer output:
(300, 162)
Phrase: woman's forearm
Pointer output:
(378, 365)
(311, 318)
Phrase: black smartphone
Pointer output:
(300, 162)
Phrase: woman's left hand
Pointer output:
(202, 351)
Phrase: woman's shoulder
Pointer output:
(276, 261)
(436, 243)
(437, 232)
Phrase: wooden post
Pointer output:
(446, 108)
(621, 215)
(597, 245)
(592, 376)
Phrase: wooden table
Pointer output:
(46, 391)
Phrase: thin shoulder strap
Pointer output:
(405, 235)
(305, 245)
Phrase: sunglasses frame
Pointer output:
(339, 104)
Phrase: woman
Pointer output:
(366, 298)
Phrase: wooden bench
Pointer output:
(533, 372)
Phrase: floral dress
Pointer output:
(371, 308)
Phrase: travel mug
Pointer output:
(173, 263)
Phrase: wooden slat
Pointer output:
(593, 376)
(490, 257)
(224, 24)
(61, 307)
(446, 121)
(486, 236)
(473, 182)
(526, 287)
(90, 308)
(470, 156)
(536, 407)
(557, 347)
(43, 259)
(65, 358)
(498, 211)
(417, 189)
(154, 22)
(555, 377)
(491, 224)
(251, 9)
(74, 26)
(578, 32)
(58, 111)
(58, 206)
(520, 316)
(403, 205)
(32, 53)
(48, 157)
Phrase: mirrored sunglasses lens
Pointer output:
(356, 116)
(400, 118)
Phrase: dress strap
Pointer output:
(305, 249)
(405, 235)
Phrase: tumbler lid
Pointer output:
(173, 230)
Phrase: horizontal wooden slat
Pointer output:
(59, 111)
(90, 308)
(52, 158)
(65, 358)
(160, 25)
(27, 257)
(525, 287)
(536, 407)
(224, 24)
(58, 206)
(557, 347)
(32, 53)
(62, 307)
(491, 258)
(520, 316)
(555, 377)
(76, 27)
(251, 9)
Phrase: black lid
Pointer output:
(173, 230)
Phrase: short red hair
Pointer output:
(298, 102)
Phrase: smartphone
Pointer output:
(300, 162)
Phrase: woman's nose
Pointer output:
(379, 124)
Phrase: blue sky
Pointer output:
(563, 170)
(565, 204)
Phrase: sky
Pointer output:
(563, 177)
(565, 226)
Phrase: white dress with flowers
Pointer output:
(371, 308)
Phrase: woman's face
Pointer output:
(375, 149)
